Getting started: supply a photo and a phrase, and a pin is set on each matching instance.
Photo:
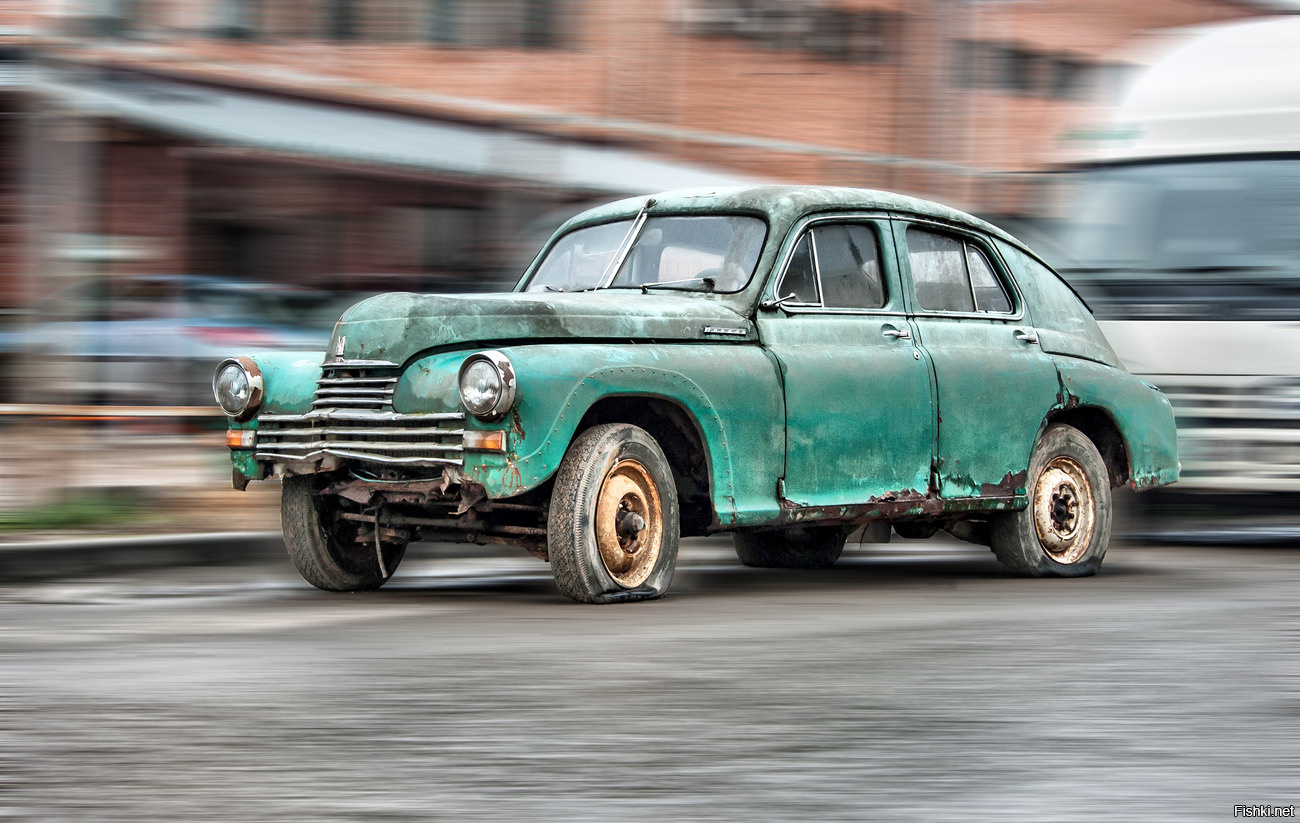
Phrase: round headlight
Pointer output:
(487, 385)
(237, 387)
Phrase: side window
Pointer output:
(939, 271)
(848, 262)
(989, 294)
(951, 274)
(800, 278)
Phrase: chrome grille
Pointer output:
(356, 384)
(352, 417)
(355, 391)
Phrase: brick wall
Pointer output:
(636, 61)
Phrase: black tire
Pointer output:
(796, 547)
(916, 529)
(608, 463)
(1065, 529)
(323, 547)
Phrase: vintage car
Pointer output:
(787, 364)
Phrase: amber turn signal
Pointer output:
(241, 438)
(482, 441)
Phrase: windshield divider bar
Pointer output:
(625, 247)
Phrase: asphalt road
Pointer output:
(914, 681)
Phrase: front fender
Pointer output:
(730, 392)
(288, 386)
(288, 380)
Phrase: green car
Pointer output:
(787, 364)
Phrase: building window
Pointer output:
(815, 29)
(112, 18)
(235, 19)
(1018, 70)
(1069, 79)
(497, 23)
(341, 20)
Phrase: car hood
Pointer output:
(395, 327)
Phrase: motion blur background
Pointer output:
(183, 179)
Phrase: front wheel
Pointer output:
(331, 552)
(613, 528)
(1065, 530)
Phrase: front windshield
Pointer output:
(1189, 215)
(701, 253)
(1209, 240)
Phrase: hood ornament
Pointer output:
(338, 348)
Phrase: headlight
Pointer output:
(237, 386)
(487, 384)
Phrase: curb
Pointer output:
(63, 558)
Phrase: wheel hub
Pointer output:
(1064, 510)
(629, 529)
(628, 525)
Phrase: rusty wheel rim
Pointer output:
(1065, 513)
(629, 528)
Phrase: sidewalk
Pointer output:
(62, 480)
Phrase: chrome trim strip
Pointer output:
(352, 381)
(349, 401)
(358, 364)
(344, 391)
(376, 458)
(379, 445)
(359, 415)
(375, 430)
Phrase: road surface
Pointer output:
(914, 681)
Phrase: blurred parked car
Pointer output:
(786, 364)
(151, 339)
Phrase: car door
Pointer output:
(993, 382)
(858, 395)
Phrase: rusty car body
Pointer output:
(783, 363)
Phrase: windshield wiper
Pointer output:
(709, 282)
(549, 287)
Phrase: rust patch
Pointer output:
(1011, 485)
(905, 504)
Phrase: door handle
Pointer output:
(901, 334)
(1026, 336)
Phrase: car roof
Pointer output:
(787, 203)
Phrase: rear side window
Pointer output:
(951, 274)
(939, 272)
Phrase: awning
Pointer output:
(337, 132)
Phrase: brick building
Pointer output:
(265, 139)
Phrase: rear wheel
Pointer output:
(1065, 529)
(329, 551)
(613, 526)
(796, 547)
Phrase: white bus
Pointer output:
(1186, 238)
